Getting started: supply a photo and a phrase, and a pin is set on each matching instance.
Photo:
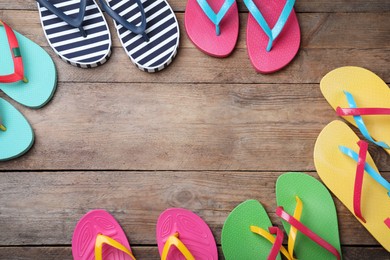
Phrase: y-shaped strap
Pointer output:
(102, 239)
(362, 166)
(75, 22)
(131, 27)
(275, 31)
(215, 18)
(307, 232)
(292, 235)
(16, 58)
(277, 242)
(356, 112)
(174, 240)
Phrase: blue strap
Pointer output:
(360, 123)
(274, 32)
(75, 22)
(215, 18)
(371, 171)
(131, 27)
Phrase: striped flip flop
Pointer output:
(148, 30)
(76, 30)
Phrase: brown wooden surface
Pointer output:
(204, 134)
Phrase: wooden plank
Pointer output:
(42, 208)
(151, 253)
(179, 127)
(300, 6)
(319, 30)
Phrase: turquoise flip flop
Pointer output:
(248, 234)
(28, 74)
(16, 134)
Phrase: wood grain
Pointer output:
(42, 208)
(267, 127)
(151, 253)
(300, 6)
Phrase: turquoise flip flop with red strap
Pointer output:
(309, 217)
(16, 135)
(27, 72)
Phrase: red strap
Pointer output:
(357, 191)
(387, 222)
(307, 232)
(16, 57)
(278, 243)
(362, 111)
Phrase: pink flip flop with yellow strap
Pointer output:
(98, 236)
(181, 234)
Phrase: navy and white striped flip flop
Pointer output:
(148, 30)
(76, 30)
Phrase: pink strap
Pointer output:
(16, 57)
(387, 222)
(362, 111)
(307, 232)
(357, 191)
(278, 243)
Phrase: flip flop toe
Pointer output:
(361, 98)
(212, 25)
(248, 234)
(28, 74)
(269, 49)
(16, 134)
(99, 236)
(76, 30)
(309, 217)
(348, 170)
(148, 30)
(181, 234)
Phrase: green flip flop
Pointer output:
(16, 134)
(28, 74)
(244, 234)
(308, 211)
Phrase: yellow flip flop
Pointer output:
(363, 99)
(347, 169)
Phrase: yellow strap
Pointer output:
(264, 233)
(102, 239)
(174, 240)
(293, 231)
(2, 128)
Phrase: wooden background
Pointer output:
(204, 134)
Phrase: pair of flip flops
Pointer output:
(28, 76)
(308, 215)
(78, 32)
(273, 34)
(181, 234)
(341, 158)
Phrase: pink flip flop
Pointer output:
(99, 236)
(271, 49)
(213, 33)
(181, 234)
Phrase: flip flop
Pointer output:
(181, 234)
(99, 236)
(76, 30)
(363, 99)
(153, 43)
(269, 49)
(309, 217)
(28, 74)
(214, 33)
(16, 134)
(247, 234)
(336, 155)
